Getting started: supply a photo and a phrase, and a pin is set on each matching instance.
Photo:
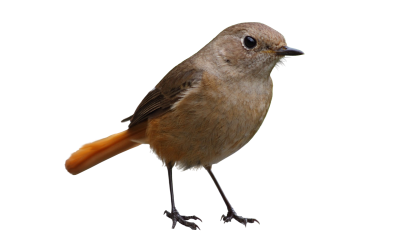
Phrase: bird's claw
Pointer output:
(176, 217)
(232, 215)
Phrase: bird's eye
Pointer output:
(250, 42)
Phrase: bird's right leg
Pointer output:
(174, 215)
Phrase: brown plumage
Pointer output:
(205, 109)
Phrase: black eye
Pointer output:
(250, 42)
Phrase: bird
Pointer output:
(205, 109)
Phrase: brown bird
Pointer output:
(204, 110)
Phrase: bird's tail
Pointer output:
(93, 153)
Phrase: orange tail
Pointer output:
(93, 153)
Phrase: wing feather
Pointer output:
(168, 91)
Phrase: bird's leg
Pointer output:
(231, 213)
(174, 214)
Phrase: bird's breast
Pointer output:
(211, 122)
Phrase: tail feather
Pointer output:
(93, 153)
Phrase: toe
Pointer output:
(191, 217)
(252, 221)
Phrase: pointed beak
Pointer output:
(287, 51)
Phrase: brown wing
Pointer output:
(166, 93)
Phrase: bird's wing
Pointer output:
(168, 91)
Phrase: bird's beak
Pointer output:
(287, 51)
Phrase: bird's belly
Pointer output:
(239, 127)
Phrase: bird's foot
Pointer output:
(176, 217)
(232, 215)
